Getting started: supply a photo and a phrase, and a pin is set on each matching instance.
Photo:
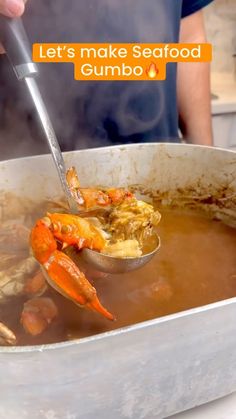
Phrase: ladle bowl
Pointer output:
(115, 265)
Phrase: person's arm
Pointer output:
(11, 8)
(193, 87)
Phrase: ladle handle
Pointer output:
(15, 42)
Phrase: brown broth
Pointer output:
(196, 265)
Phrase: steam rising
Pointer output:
(86, 114)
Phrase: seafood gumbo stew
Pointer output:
(195, 265)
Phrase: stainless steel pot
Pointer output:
(150, 370)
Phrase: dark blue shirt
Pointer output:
(192, 6)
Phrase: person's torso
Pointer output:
(88, 114)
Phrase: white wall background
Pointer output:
(220, 19)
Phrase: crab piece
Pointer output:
(7, 337)
(126, 217)
(36, 285)
(121, 230)
(12, 280)
(133, 220)
(123, 249)
(55, 232)
(37, 314)
(91, 198)
(16, 264)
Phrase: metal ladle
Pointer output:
(16, 44)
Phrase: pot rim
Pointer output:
(117, 332)
(124, 146)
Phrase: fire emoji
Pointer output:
(152, 71)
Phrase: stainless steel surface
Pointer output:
(25, 70)
(149, 370)
(51, 139)
(115, 265)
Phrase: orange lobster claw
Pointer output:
(62, 273)
(65, 276)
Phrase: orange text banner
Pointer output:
(121, 61)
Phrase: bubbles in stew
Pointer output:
(196, 265)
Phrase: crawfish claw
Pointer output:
(7, 337)
(64, 275)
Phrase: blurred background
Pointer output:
(220, 20)
(20, 134)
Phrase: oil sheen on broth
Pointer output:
(196, 265)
